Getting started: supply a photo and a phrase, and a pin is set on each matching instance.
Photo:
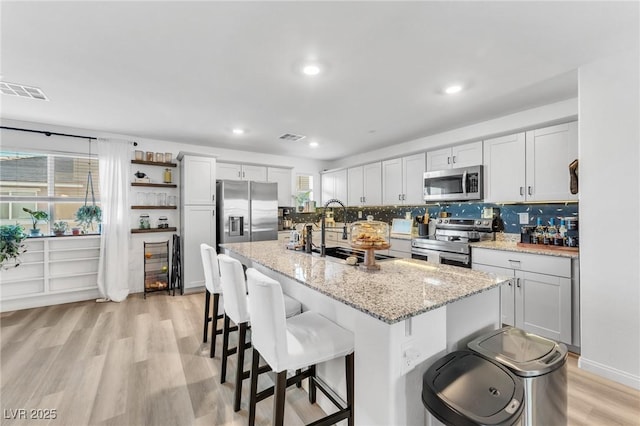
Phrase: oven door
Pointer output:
(425, 254)
(443, 257)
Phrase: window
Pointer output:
(52, 183)
(304, 189)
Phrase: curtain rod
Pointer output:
(52, 133)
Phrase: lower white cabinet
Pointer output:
(53, 270)
(400, 248)
(539, 298)
(198, 226)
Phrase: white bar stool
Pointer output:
(291, 344)
(236, 308)
(212, 288)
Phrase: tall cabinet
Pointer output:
(198, 210)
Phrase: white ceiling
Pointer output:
(191, 71)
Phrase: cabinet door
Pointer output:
(504, 168)
(283, 178)
(507, 293)
(372, 184)
(543, 305)
(439, 159)
(257, 173)
(340, 185)
(199, 183)
(355, 180)
(392, 182)
(198, 227)
(228, 171)
(549, 153)
(328, 189)
(413, 173)
(467, 155)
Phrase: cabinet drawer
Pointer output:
(539, 263)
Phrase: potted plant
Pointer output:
(87, 215)
(11, 245)
(36, 216)
(301, 198)
(60, 227)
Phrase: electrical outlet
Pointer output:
(410, 356)
(359, 214)
(523, 218)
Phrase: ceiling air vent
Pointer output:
(22, 91)
(291, 137)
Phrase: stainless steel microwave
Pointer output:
(463, 184)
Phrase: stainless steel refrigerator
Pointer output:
(247, 211)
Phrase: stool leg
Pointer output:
(207, 301)
(299, 384)
(225, 349)
(214, 328)
(279, 395)
(349, 367)
(255, 361)
(242, 333)
(312, 385)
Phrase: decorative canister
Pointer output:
(139, 155)
(163, 222)
(159, 157)
(149, 156)
(167, 157)
(144, 222)
(166, 176)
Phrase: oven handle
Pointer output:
(432, 255)
(463, 258)
(464, 182)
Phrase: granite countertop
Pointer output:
(401, 289)
(508, 245)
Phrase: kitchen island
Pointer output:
(403, 316)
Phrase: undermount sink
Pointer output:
(344, 252)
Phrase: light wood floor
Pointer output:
(142, 362)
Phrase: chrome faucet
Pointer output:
(323, 247)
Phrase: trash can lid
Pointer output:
(464, 388)
(523, 353)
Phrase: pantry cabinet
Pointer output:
(334, 185)
(531, 166)
(365, 185)
(402, 180)
(234, 171)
(282, 177)
(541, 295)
(465, 155)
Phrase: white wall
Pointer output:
(558, 112)
(609, 195)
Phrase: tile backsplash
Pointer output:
(508, 212)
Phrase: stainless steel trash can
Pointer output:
(466, 389)
(540, 362)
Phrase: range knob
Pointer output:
(478, 222)
(485, 222)
(446, 221)
(439, 220)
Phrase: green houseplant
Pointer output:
(60, 227)
(301, 198)
(11, 245)
(87, 215)
(36, 216)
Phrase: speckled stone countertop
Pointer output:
(509, 242)
(401, 289)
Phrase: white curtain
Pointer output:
(113, 273)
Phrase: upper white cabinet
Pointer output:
(365, 185)
(531, 166)
(402, 180)
(198, 179)
(334, 185)
(235, 171)
(283, 178)
(465, 155)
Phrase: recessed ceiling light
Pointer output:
(311, 69)
(238, 131)
(453, 89)
(313, 144)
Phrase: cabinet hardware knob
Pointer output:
(448, 160)
(522, 190)
(454, 159)
(529, 188)
(518, 282)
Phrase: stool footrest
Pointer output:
(329, 393)
(290, 381)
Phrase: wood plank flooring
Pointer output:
(142, 362)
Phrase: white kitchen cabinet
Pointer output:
(282, 177)
(198, 179)
(334, 185)
(464, 155)
(234, 171)
(531, 166)
(365, 185)
(538, 299)
(402, 180)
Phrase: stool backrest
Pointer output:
(211, 270)
(268, 320)
(234, 289)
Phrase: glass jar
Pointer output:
(144, 222)
(149, 156)
(163, 223)
(159, 157)
(162, 198)
(166, 176)
(370, 234)
(171, 200)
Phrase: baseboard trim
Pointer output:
(38, 301)
(609, 372)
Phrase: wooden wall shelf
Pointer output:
(154, 163)
(155, 185)
(144, 231)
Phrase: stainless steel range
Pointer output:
(450, 244)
